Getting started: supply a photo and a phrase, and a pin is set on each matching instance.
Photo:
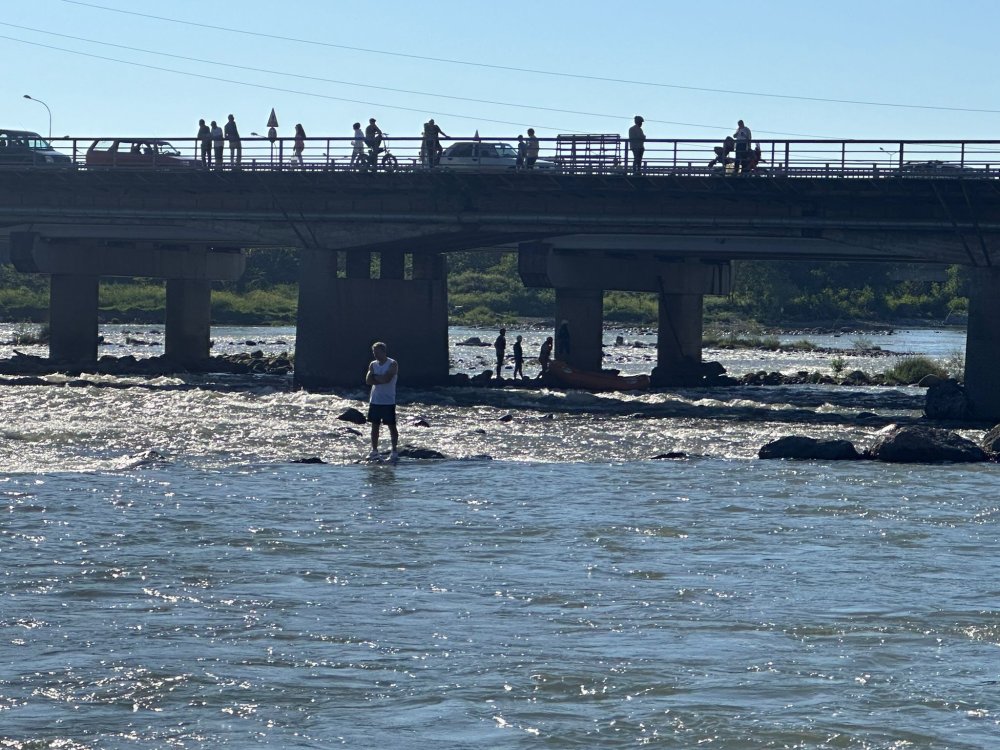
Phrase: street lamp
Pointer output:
(26, 96)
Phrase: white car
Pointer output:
(479, 156)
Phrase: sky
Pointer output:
(880, 69)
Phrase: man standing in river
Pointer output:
(381, 376)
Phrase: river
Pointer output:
(172, 579)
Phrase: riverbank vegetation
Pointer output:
(484, 288)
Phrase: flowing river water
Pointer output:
(172, 578)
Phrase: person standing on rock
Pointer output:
(381, 376)
(563, 341)
(501, 348)
(545, 355)
(518, 359)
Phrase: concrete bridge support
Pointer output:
(189, 320)
(583, 311)
(341, 317)
(678, 339)
(73, 318)
(580, 277)
(982, 345)
(77, 256)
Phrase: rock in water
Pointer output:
(352, 415)
(991, 440)
(946, 400)
(800, 446)
(922, 445)
(410, 451)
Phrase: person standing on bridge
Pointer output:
(218, 143)
(531, 155)
(373, 138)
(205, 141)
(522, 153)
(381, 376)
(300, 143)
(432, 142)
(743, 138)
(637, 142)
(358, 155)
(235, 144)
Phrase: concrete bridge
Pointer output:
(671, 233)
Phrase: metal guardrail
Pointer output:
(605, 154)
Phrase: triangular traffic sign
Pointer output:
(272, 121)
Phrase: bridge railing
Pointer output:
(605, 154)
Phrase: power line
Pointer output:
(273, 88)
(536, 71)
(351, 83)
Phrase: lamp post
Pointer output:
(890, 154)
(27, 96)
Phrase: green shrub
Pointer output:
(911, 370)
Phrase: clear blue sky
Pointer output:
(679, 64)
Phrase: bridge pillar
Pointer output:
(340, 318)
(188, 323)
(678, 340)
(982, 345)
(359, 264)
(583, 311)
(73, 318)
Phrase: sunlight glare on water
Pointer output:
(173, 578)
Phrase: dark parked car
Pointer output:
(24, 148)
(937, 168)
(137, 152)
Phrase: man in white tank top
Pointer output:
(381, 376)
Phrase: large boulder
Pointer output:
(946, 400)
(921, 445)
(800, 446)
